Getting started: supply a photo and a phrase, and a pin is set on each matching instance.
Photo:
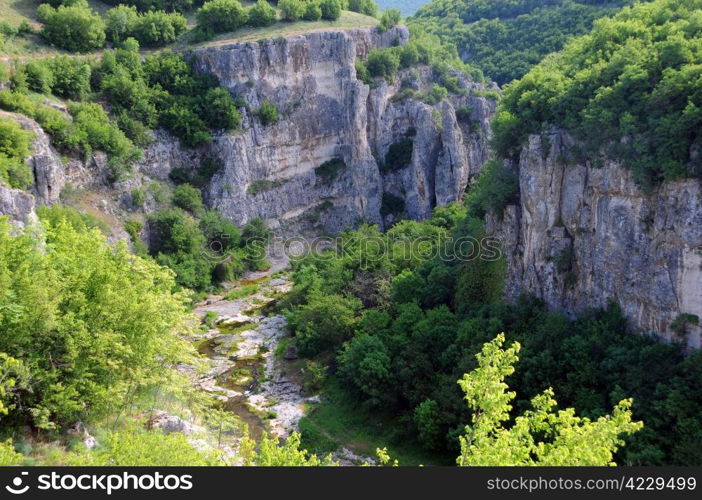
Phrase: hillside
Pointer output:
(505, 38)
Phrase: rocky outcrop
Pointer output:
(584, 235)
(327, 114)
(48, 173)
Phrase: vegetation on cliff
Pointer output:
(629, 91)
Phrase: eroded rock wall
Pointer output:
(584, 235)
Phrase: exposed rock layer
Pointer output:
(584, 235)
(326, 113)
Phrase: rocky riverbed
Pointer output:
(244, 371)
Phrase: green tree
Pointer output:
(331, 9)
(261, 14)
(188, 198)
(291, 10)
(541, 436)
(313, 12)
(76, 27)
(389, 19)
(221, 15)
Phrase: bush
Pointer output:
(313, 11)
(39, 77)
(221, 15)
(219, 109)
(292, 10)
(383, 63)
(14, 148)
(391, 205)
(188, 198)
(331, 9)
(155, 28)
(399, 155)
(261, 14)
(390, 18)
(71, 77)
(76, 28)
(268, 112)
(329, 170)
(367, 7)
(120, 21)
(496, 187)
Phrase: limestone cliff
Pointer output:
(583, 235)
(327, 114)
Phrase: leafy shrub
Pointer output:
(261, 14)
(221, 15)
(496, 187)
(391, 204)
(313, 12)
(367, 7)
(14, 148)
(399, 155)
(383, 63)
(436, 94)
(188, 198)
(331, 9)
(329, 170)
(291, 10)
(76, 28)
(268, 112)
(39, 77)
(156, 28)
(390, 18)
(120, 21)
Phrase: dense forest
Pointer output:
(505, 38)
(398, 328)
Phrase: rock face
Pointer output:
(585, 235)
(327, 114)
(48, 175)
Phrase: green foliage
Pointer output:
(391, 204)
(92, 324)
(367, 7)
(136, 447)
(291, 10)
(399, 155)
(627, 89)
(313, 12)
(221, 15)
(80, 221)
(390, 18)
(382, 63)
(330, 169)
(188, 198)
(14, 148)
(8, 455)
(505, 38)
(152, 29)
(272, 453)
(323, 323)
(267, 113)
(261, 14)
(331, 9)
(542, 436)
(496, 187)
(76, 28)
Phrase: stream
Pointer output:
(244, 372)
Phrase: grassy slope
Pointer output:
(248, 34)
